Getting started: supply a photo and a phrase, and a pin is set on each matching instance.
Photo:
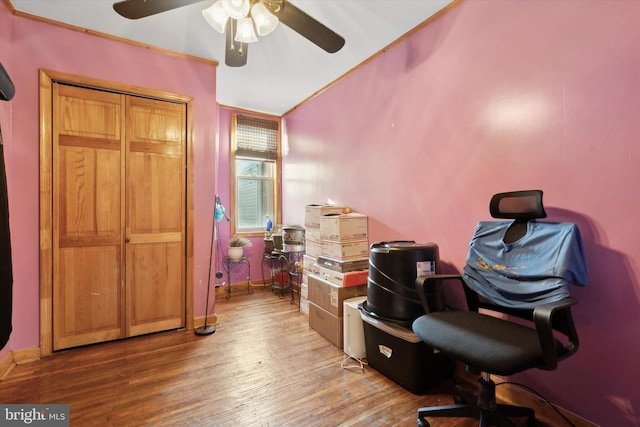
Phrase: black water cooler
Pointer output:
(392, 304)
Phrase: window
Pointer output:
(255, 173)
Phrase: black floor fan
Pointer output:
(219, 213)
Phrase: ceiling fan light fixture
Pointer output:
(265, 21)
(245, 32)
(237, 9)
(216, 16)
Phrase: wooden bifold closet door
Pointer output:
(118, 215)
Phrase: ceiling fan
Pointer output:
(239, 19)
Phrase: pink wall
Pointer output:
(498, 96)
(27, 46)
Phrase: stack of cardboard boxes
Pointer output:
(313, 246)
(337, 266)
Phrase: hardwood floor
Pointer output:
(264, 366)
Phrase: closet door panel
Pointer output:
(90, 202)
(155, 206)
(88, 218)
(153, 269)
(155, 187)
(88, 305)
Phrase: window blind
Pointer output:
(256, 138)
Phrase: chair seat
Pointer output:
(500, 347)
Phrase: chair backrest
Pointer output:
(518, 272)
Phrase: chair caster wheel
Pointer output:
(423, 423)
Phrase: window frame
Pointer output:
(277, 184)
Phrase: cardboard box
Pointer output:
(329, 296)
(345, 250)
(400, 355)
(312, 213)
(313, 249)
(313, 269)
(341, 227)
(350, 278)
(312, 235)
(308, 261)
(326, 324)
(342, 265)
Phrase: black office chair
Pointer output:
(505, 273)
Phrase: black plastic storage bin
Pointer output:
(393, 269)
(401, 356)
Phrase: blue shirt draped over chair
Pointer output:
(536, 268)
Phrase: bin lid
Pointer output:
(390, 328)
(401, 245)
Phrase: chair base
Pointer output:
(483, 408)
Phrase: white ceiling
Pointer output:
(283, 69)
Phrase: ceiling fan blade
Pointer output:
(236, 53)
(136, 9)
(309, 28)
